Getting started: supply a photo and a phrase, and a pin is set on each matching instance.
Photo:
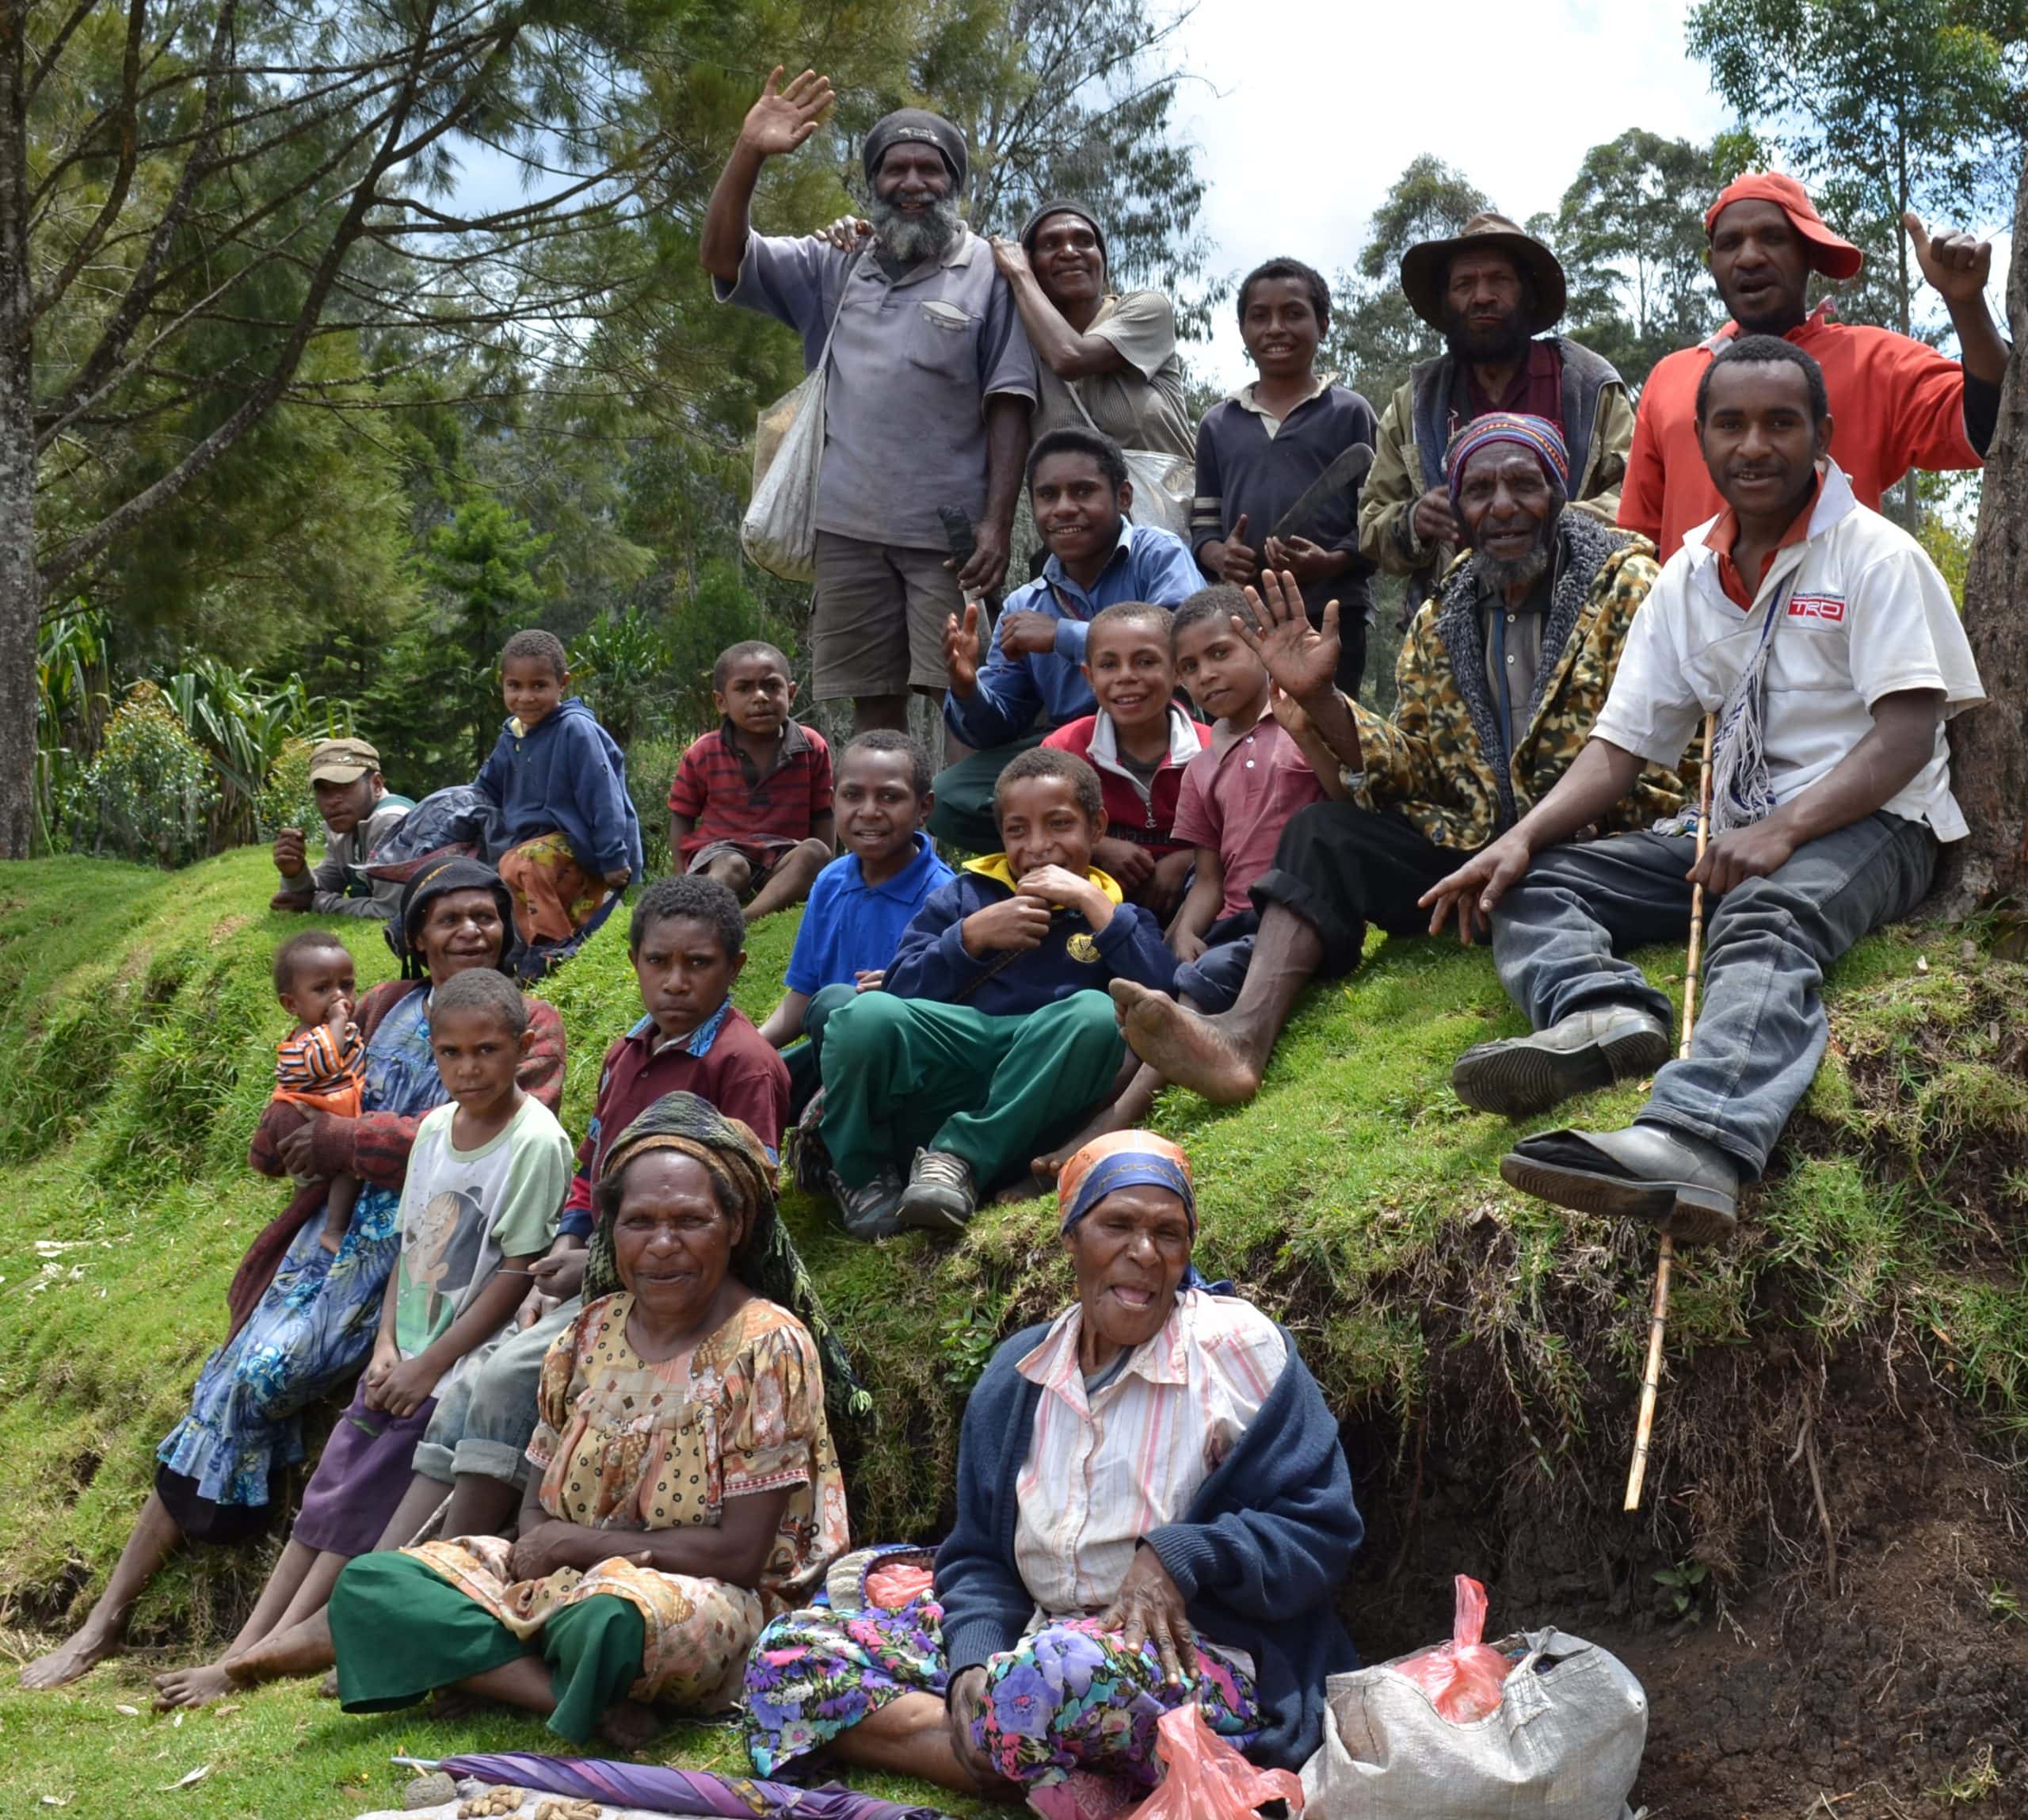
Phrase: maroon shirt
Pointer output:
(724, 1060)
(728, 798)
(1536, 389)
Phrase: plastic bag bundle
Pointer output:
(1462, 1678)
(1205, 1779)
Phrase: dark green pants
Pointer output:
(902, 1074)
(401, 1630)
(962, 816)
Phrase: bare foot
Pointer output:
(191, 1687)
(1111, 1117)
(452, 1703)
(78, 1657)
(328, 1688)
(1027, 1188)
(1185, 1046)
(628, 1724)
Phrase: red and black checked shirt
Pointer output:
(729, 799)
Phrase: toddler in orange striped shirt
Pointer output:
(321, 1066)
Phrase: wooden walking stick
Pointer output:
(1658, 1320)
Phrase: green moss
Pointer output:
(1354, 1197)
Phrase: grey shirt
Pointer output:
(1514, 650)
(1139, 404)
(915, 358)
(340, 890)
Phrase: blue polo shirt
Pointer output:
(849, 925)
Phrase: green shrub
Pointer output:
(150, 793)
(287, 798)
(650, 768)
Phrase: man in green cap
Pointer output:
(359, 812)
(1493, 290)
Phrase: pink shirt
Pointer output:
(1238, 794)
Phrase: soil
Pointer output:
(1900, 1695)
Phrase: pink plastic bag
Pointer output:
(1207, 1778)
(1462, 1678)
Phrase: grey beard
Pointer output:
(909, 239)
(1522, 571)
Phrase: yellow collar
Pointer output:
(994, 866)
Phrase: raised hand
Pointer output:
(963, 650)
(1957, 265)
(1302, 660)
(783, 118)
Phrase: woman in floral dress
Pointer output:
(686, 1490)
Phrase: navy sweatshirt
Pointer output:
(931, 961)
(1257, 1557)
(566, 777)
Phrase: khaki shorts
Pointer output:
(877, 625)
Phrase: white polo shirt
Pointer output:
(1863, 612)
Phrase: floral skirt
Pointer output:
(554, 896)
(1068, 1697)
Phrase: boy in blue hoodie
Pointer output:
(993, 1032)
(560, 784)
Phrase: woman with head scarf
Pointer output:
(686, 1488)
(1105, 360)
(303, 1317)
(1152, 1508)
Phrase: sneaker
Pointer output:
(940, 1196)
(873, 1211)
(1520, 1076)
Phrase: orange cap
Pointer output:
(1832, 256)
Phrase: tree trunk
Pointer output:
(21, 588)
(1989, 746)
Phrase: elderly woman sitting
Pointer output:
(686, 1491)
(1152, 1508)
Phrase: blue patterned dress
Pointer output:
(315, 1325)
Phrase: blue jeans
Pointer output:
(483, 1421)
(1761, 1030)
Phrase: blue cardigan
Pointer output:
(1257, 1557)
(566, 777)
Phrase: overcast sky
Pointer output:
(1308, 110)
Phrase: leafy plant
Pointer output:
(244, 729)
(1979, 1779)
(1682, 1587)
(151, 793)
(650, 768)
(966, 1342)
(620, 665)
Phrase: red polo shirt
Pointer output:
(1723, 537)
(1895, 404)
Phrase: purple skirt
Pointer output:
(366, 1470)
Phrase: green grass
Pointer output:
(1445, 1315)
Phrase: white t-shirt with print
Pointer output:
(1864, 613)
(464, 1210)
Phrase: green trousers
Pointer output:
(902, 1074)
(963, 814)
(400, 1630)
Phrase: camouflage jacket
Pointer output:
(1432, 763)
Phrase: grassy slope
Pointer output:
(136, 1033)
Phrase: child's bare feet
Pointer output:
(1031, 1187)
(628, 1724)
(191, 1687)
(70, 1661)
